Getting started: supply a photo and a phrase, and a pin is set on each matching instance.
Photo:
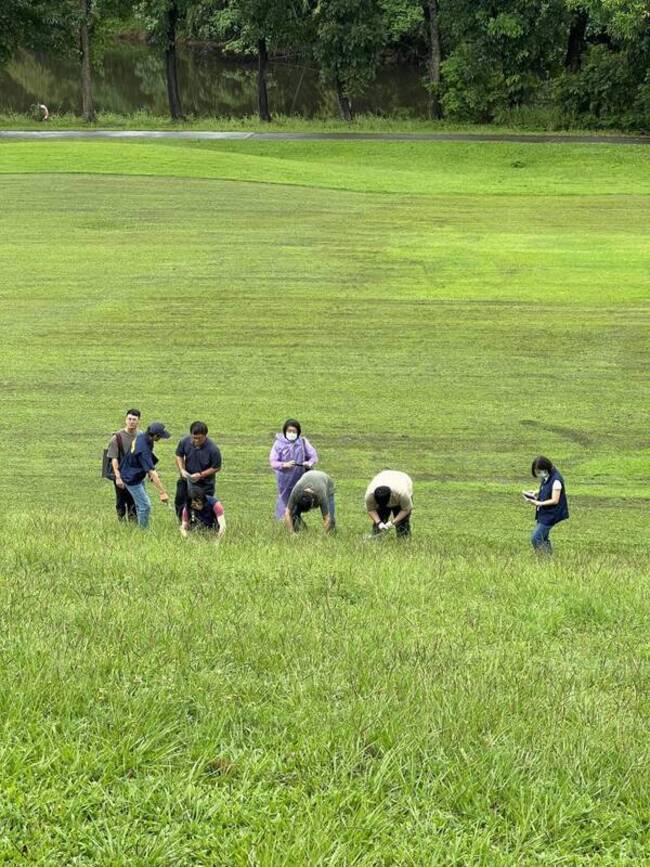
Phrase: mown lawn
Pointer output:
(449, 309)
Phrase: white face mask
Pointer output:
(292, 436)
(542, 476)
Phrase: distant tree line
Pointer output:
(586, 61)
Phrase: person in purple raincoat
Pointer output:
(291, 456)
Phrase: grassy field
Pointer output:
(448, 309)
(295, 123)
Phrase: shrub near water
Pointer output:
(313, 699)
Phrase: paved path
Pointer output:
(206, 135)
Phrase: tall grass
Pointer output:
(447, 309)
(322, 701)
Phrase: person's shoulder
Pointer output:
(142, 443)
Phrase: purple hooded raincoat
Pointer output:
(302, 452)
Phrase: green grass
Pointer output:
(144, 120)
(448, 309)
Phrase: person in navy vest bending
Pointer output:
(550, 503)
(202, 512)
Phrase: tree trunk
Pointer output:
(345, 106)
(262, 94)
(171, 66)
(87, 106)
(577, 42)
(430, 9)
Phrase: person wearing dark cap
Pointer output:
(292, 455)
(202, 512)
(389, 502)
(140, 462)
(315, 488)
(550, 502)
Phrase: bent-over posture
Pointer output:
(202, 512)
(389, 502)
(315, 488)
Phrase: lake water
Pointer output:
(131, 77)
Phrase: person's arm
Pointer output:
(180, 464)
(324, 503)
(311, 455)
(221, 520)
(180, 460)
(116, 472)
(113, 454)
(274, 458)
(185, 523)
(288, 521)
(276, 463)
(555, 496)
(399, 517)
(371, 509)
(158, 485)
(406, 507)
(205, 474)
(215, 466)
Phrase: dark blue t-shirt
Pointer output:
(198, 459)
(138, 461)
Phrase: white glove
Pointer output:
(388, 525)
(381, 526)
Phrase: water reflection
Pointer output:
(131, 77)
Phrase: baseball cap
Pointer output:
(157, 428)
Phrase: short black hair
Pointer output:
(306, 501)
(199, 427)
(134, 412)
(382, 494)
(541, 463)
(291, 422)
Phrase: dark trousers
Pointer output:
(385, 513)
(124, 505)
(182, 494)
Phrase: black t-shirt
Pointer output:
(199, 459)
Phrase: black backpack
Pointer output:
(107, 464)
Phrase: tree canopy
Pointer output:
(581, 61)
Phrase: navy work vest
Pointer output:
(550, 515)
(206, 517)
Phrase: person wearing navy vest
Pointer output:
(550, 502)
(202, 512)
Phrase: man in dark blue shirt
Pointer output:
(140, 462)
(198, 460)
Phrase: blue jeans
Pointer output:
(142, 504)
(539, 539)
